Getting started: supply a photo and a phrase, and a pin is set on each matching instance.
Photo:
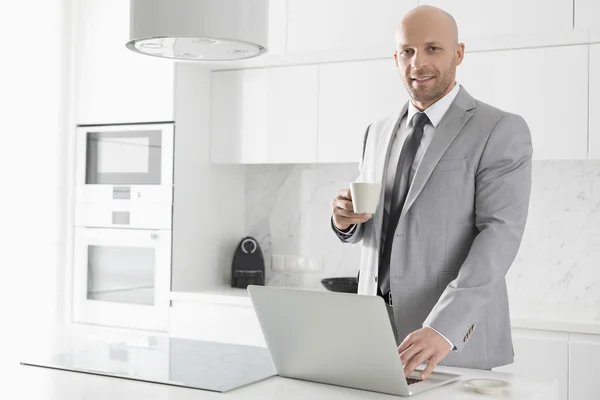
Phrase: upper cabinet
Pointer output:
(351, 96)
(264, 115)
(113, 84)
(476, 18)
(594, 127)
(587, 14)
(319, 113)
(546, 86)
(314, 25)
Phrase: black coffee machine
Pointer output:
(248, 267)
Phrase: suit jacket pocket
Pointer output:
(451, 165)
(445, 277)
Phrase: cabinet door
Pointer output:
(476, 18)
(584, 353)
(343, 24)
(587, 14)
(536, 84)
(594, 127)
(238, 108)
(351, 96)
(541, 354)
(264, 115)
(114, 84)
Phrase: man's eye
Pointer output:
(407, 51)
(433, 48)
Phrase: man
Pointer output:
(456, 174)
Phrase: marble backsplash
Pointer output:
(288, 209)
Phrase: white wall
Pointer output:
(33, 100)
(207, 222)
(288, 209)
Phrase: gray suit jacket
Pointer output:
(459, 231)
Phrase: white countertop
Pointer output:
(35, 383)
(220, 295)
(561, 318)
(524, 314)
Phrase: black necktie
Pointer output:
(399, 193)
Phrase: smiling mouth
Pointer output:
(422, 79)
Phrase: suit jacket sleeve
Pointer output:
(354, 234)
(502, 193)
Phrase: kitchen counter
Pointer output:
(35, 383)
(524, 314)
(560, 318)
(220, 295)
(49, 384)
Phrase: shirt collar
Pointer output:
(436, 111)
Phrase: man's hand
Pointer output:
(343, 214)
(422, 345)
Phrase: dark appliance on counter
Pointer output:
(341, 284)
(248, 267)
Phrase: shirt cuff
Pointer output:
(347, 233)
(449, 342)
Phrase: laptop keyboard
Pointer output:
(410, 380)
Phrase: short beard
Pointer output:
(432, 95)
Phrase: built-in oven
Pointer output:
(122, 277)
(124, 162)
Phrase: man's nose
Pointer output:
(419, 60)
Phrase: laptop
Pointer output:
(340, 339)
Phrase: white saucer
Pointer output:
(487, 386)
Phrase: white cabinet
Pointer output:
(264, 115)
(594, 105)
(587, 14)
(532, 83)
(314, 25)
(541, 354)
(351, 96)
(584, 353)
(211, 321)
(319, 113)
(572, 358)
(114, 84)
(476, 18)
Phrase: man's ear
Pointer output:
(460, 53)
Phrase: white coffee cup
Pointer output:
(365, 197)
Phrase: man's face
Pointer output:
(427, 60)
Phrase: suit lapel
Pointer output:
(452, 123)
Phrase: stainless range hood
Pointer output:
(199, 30)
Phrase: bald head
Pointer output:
(428, 20)
(427, 54)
